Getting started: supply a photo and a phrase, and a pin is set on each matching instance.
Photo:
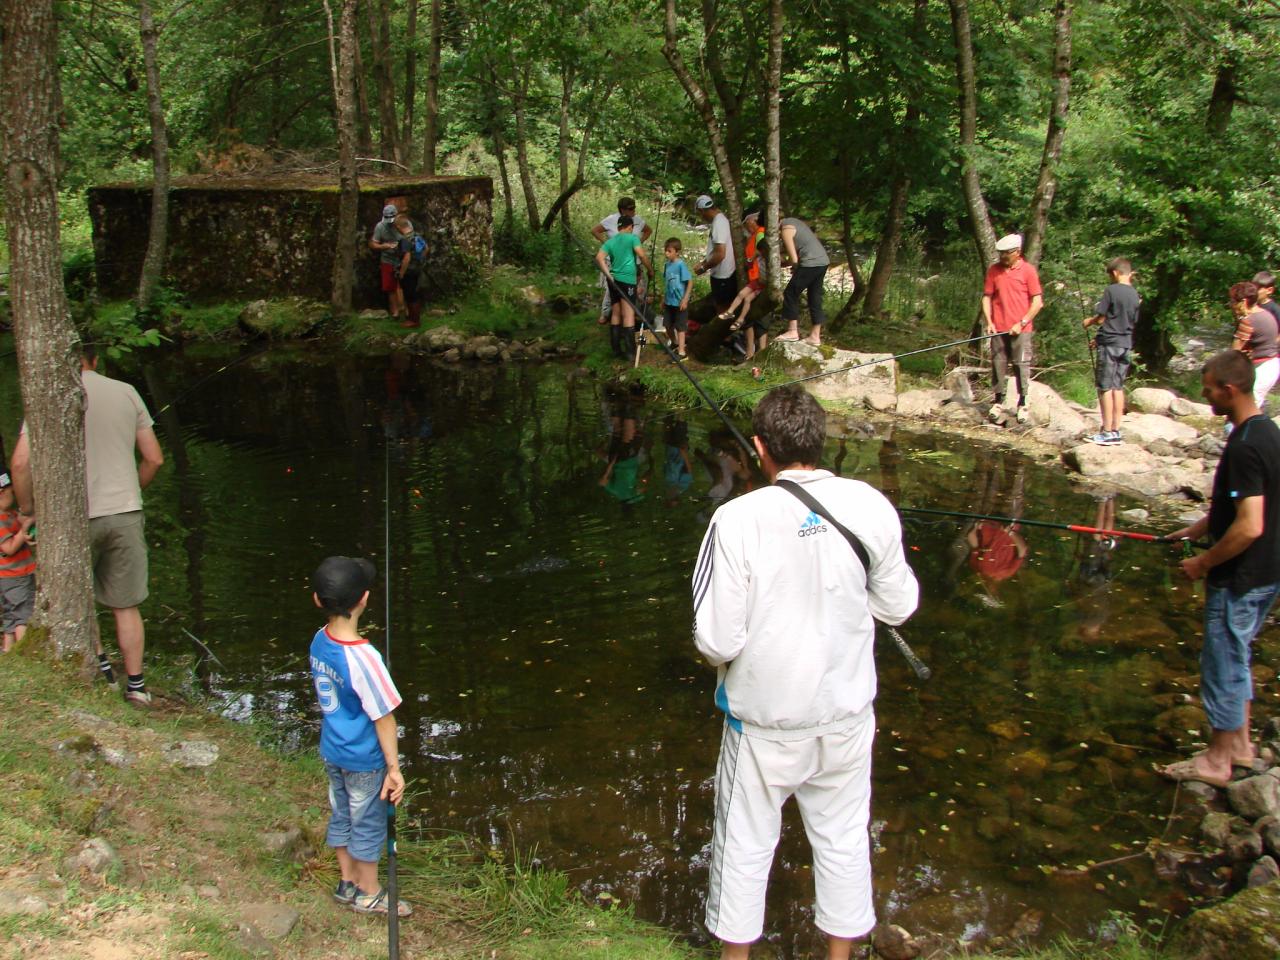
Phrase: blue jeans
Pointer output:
(1230, 624)
(359, 820)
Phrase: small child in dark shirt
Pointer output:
(412, 252)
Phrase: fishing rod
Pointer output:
(393, 891)
(1073, 527)
(921, 669)
(855, 366)
(222, 369)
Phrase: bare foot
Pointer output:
(1196, 768)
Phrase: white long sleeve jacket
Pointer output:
(784, 608)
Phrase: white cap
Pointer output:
(704, 202)
(1010, 241)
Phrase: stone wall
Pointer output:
(238, 238)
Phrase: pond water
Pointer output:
(540, 616)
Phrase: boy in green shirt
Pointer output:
(617, 260)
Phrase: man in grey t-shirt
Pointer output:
(386, 240)
(809, 261)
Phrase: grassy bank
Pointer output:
(191, 855)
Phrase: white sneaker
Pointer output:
(1023, 416)
(995, 413)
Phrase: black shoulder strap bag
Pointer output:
(805, 497)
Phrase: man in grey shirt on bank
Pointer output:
(809, 261)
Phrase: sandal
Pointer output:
(345, 892)
(736, 325)
(376, 903)
(724, 316)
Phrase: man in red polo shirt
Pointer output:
(1011, 297)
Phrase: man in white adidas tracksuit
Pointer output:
(783, 608)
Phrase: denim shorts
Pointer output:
(1231, 622)
(1112, 367)
(359, 820)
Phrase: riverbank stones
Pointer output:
(191, 754)
(94, 857)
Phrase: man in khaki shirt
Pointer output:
(116, 422)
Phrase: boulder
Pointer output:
(878, 376)
(1182, 407)
(1271, 837)
(1049, 410)
(1245, 927)
(282, 319)
(882, 402)
(1145, 427)
(1152, 400)
(273, 920)
(1092, 460)
(94, 857)
(922, 403)
(894, 943)
(1264, 871)
(958, 383)
(1255, 797)
(1216, 826)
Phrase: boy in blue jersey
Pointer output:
(357, 732)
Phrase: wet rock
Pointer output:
(992, 828)
(15, 903)
(452, 355)
(1271, 729)
(273, 920)
(922, 403)
(1178, 723)
(1200, 791)
(191, 754)
(282, 319)
(1054, 815)
(894, 943)
(440, 339)
(1027, 926)
(1152, 400)
(1244, 844)
(1182, 407)
(1169, 862)
(94, 857)
(1254, 797)
(1246, 927)
(1006, 729)
(1092, 460)
(1269, 827)
(1030, 764)
(1264, 871)
(488, 352)
(1215, 828)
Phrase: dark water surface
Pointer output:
(541, 633)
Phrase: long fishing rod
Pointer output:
(222, 369)
(855, 366)
(393, 891)
(1073, 527)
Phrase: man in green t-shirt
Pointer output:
(617, 261)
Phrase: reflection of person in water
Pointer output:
(728, 465)
(404, 415)
(997, 548)
(677, 469)
(1091, 587)
(623, 477)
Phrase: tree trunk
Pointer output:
(158, 235)
(562, 146)
(1223, 98)
(730, 101)
(48, 367)
(702, 104)
(500, 148)
(344, 77)
(773, 148)
(562, 203)
(410, 82)
(380, 45)
(365, 145)
(887, 251)
(518, 101)
(431, 134)
(984, 235)
(1047, 183)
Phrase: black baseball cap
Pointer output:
(340, 582)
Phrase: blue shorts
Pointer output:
(359, 820)
(1230, 623)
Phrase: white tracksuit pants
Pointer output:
(830, 777)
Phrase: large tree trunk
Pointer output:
(410, 82)
(48, 368)
(519, 100)
(365, 145)
(984, 235)
(887, 251)
(158, 235)
(702, 104)
(344, 78)
(1047, 183)
(380, 44)
(431, 134)
(773, 148)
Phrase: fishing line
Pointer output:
(222, 369)
(1073, 527)
(393, 891)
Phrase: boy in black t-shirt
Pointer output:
(1242, 567)
(411, 253)
(1117, 312)
(1266, 284)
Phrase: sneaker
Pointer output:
(1112, 438)
(996, 412)
(346, 892)
(376, 903)
(1023, 416)
(1102, 438)
(682, 357)
(139, 698)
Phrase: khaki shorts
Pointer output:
(119, 553)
